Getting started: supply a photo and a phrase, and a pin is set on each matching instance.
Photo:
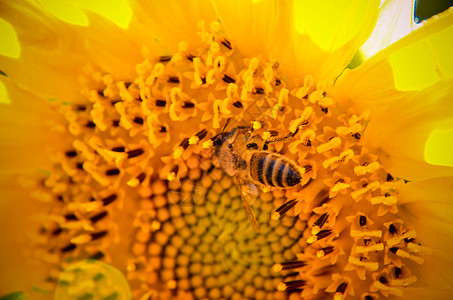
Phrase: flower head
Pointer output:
(143, 143)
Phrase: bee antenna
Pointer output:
(226, 124)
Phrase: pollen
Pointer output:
(140, 175)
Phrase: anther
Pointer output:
(323, 233)
(70, 217)
(161, 103)
(383, 280)
(112, 172)
(138, 120)
(290, 285)
(165, 58)
(389, 178)
(278, 81)
(134, 153)
(119, 149)
(68, 248)
(90, 124)
(81, 107)
(98, 216)
(357, 135)
(141, 177)
(107, 200)
(321, 220)
(324, 251)
(283, 209)
(292, 265)
(227, 44)
(392, 229)
(57, 231)
(98, 235)
(342, 288)
(162, 129)
(362, 220)
(258, 91)
(398, 272)
(228, 79)
(184, 143)
(173, 79)
(70, 153)
(174, 170)
(188, 104)
(237, 104)
(97, 256)
(115, 123)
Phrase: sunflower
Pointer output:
(113, 185)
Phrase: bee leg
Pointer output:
(239, 129)
(275, 139)
(246, 200)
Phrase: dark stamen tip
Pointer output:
(107, 200)
(184, 143)
(342, 288)
(188, 104)
(228, 79)
(138, 120)
(112, 172)
(173, 79)
(119, 149)
(90, 124)
(362, 220)
(392, 229)
(160, 103)
(98, 217)
(135, 153)
(238, 104)
(70, 153)
(165, 58)
(98, 235)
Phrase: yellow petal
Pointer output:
(172, 21)
(71, 11)
(394, 22)
(408, 99)
(429, 206)
(438, 147)
(323, 48)
(10, 45)
(45, 45)
(55, 53)
(249, 24)
(66, 11)
(24, 133)
(20, 269)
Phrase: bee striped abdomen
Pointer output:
(274, 170)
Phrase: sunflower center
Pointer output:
(204, 242)
(142, 150)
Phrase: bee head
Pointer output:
(219, 139)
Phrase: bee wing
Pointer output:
(246, 199)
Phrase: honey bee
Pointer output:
(246, 157)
